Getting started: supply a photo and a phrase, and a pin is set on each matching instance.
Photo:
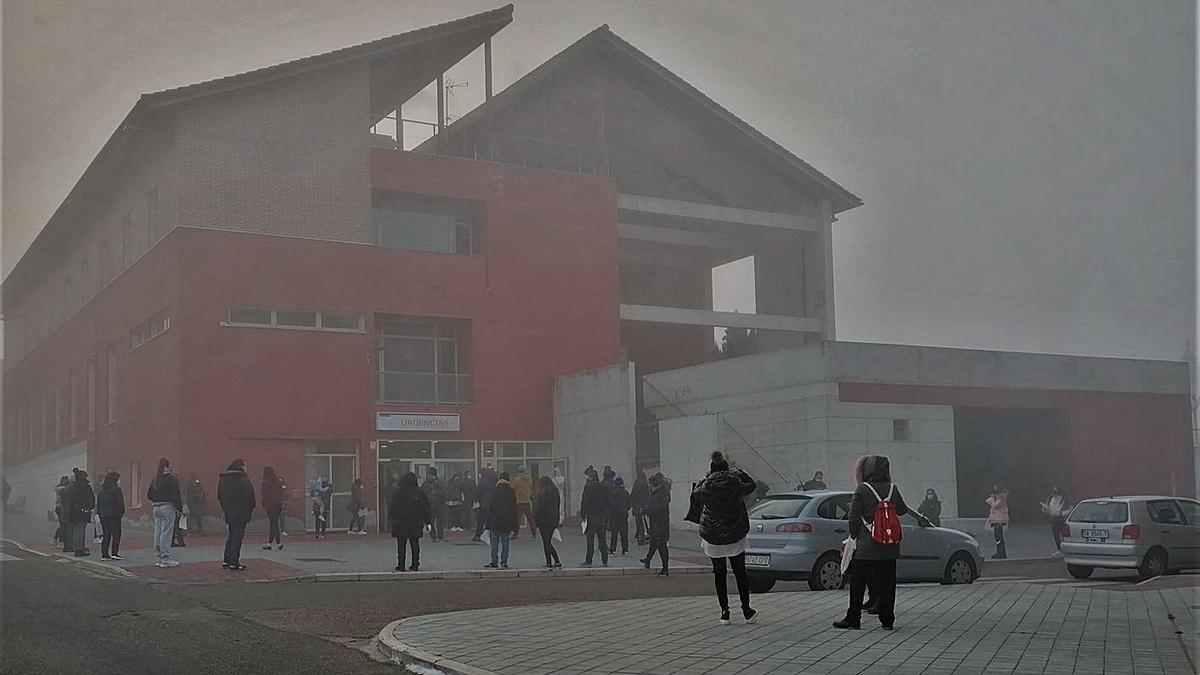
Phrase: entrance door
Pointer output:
(341, 470)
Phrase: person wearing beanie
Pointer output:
(724, 524)
(658, 511)
(110, 505)
(81, 500)
(593, 510)
(619, 503)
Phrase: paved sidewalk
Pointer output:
(983, 628)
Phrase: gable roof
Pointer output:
(487, 23)
(602, 37)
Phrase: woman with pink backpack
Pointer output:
(875, 532)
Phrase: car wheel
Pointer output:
(960, 570)
(761, 583)
(827, 573)
(1153, 565)
(1080, 571)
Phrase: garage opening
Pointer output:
(1025, 450)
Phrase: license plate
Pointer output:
(758, 560)
(1094, 535)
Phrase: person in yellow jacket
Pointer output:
(523, 486)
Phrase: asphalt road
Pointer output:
(58, 617)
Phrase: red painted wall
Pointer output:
(1120, 443)
(542, 301)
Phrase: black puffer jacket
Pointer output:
(545, 509)
(408, 510)
(81, 500)
(658, 509)
(502, 512)
(876, 470)
(235, 494)
(724, 519)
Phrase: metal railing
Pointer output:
(482, 145)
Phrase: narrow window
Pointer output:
(900, 430)
(153, 216)
(110, 385)
(134, 486)
(250, 317)
(91, 395)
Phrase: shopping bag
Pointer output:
(557, 536)
(486, 537)
(848, 547)
(583, 525)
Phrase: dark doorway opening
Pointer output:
(1024, 450)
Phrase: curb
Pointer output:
(401, 653)
(486, 574)
(109, 570)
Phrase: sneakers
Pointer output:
(645, 562)
(664, 572)
(106, 557)
(399, 568)
(752, 616)
(844, 625)
(170, 563)
(115, 557)
(491, 566)
(281, 547)
(267, 547)
(586, 563)
(503, 566)
(725, 618)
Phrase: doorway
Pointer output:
(341, 468)
(1023, 450)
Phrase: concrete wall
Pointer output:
(686, 444)
(35, 480)
(595, 415)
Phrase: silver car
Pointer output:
(1154, 535)
(798, 536)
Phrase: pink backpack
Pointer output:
(886, 527)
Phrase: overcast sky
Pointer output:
(1027, 167)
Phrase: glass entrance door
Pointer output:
(341, 470)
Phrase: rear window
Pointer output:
(1100, 512)
(775, 507)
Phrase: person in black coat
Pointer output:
(409, 513)
(619, 503)
(81, 500)
(658, 510)
(165, 505)
(638, 497)
(487, 484)
(110, 506)
(501, 520)
(593, 508)
(724, 524)
(874, 564)
(235, 493)
(546, 502)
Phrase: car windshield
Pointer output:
(775, 507)
(1100, 512)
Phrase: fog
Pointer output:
(1027, 168)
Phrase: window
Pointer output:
(134, 486)
(153, 215)
(62, 413)
(1100, 512)
(900, 430)
(405, 450)
(780, 507)
(430, 224)
(138, 336)
(303, 319)
(110, 385)
(1192, 511)
(835, 508)
(423, 362)
(91, 395)
(1165, 511)
(73, 416)
(159, 324)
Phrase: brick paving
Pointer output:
(983, 628)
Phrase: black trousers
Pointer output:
(659, 545)
(880, 575)
(412, 542)
(548, 545)
(596, 533)
(274, 513)
(738, 563)
(619, 526)
(998, 533)
(639, 520)
(233, 543)
(481, 516)
(177, 535)
(111, 541)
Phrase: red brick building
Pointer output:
(248, 270)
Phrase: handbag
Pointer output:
(695, 508)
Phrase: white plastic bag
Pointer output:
(583, 526)
(848, 546)
(486, 537)
(557, 536)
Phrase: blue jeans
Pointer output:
(164, 527)
(499, 541)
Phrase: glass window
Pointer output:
(422, 362)
(91, 395)
(1192, 511)
(1165, 511)
(900, 430)
(405, 328)
(260, 317)
(110, 385)
(137, 336)
(539, 449)
(447, 356)
(424, 223)
(341, 321)
(455, 449)
(408, 355)
(159, 324)
(489, 449)
(133, 487)
(512, 449)
(295, 317)
(835, 508)
(1100, 512)
(405, 449)
(779, 507)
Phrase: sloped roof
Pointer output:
(578, 53)
(490, 22)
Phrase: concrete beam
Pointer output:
(704, 317)
(713, 212)
(670, 235)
